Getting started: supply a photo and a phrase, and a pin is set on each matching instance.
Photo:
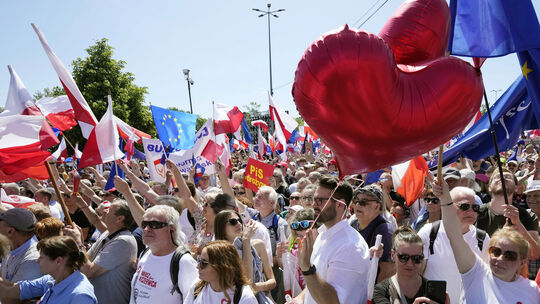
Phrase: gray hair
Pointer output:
(460, 189)
(170, 200)
(12, 188)
(172, 217)
(272, 194)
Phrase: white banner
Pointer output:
(183, 158)
(153, 150)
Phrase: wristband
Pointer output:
(310, 271)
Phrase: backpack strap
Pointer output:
(175, 267)
(433, 235)
(480, 237)
(275, 222)
(145, 250)
(237, 294)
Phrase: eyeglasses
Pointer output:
(530, 162)
(295, 198)
(465, 207)
(512, 165)
(432, 200)
(235, 221)
(202, 263)
(301, 225)
(153, 224)
(307, 198)
(416, 259)
(508, 255)
(238, 192)
(363, 202)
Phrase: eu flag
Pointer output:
(175, 129)
(530, 68)
(492, 28)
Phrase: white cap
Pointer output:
(533, 185)
(467, 173)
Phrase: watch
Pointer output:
(310, 271)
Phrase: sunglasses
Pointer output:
(363, 202)
(416, 259)
(432, 200)
(465, 207)
(295, 198)
(530, 162)
(301, 225)
(202, 263)
(153, 224)
(496, 252)
(234, 221)
(238, 192)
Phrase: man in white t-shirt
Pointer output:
(441, 265)
(336, 265)
(44, 196)
(152, 282)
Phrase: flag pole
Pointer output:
(58, 194)
(494, 138)
(115, 146)
(215, 140)
(439, 165)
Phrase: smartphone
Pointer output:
(436, 291)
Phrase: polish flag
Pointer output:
(261, 145)
(227, 119)
(19, 101)
(83, 113)
(58, 111)
(130, 146)
(261, 124)
(103, 142)
(16, 201)
(212, 150)
(25, 140)
(38, 172)
(61, 153)
(126, 130)
(409, 177)
(284, 124)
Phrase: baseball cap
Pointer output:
(467, 173)
(19, 218)
(372, 190)
(451, 173)
(296, 208)
(533, 185)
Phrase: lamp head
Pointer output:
(186, 72)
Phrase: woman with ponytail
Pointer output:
(60, 260)
(222, 277)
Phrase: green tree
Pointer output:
(47, 92)
(253, 109)
(300, 121)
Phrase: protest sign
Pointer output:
(153, 150)
(257, 174)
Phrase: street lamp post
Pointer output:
(190, 82)
(269, 13)
(496, 93)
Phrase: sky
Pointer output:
(223, 43)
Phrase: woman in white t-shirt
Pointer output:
(498, 281)
(222, 277)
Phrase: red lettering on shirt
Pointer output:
(147, 279)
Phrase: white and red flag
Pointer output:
(103, 142)
(227, 118)
(19, 101)
(58, 111)
(261, 144)
(15, 201)
(284, 124)
(408, 178)
(126, 130)
(261, 124)
(83, 112)
(61, 153)
(24, 144)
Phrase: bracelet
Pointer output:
(310, 271)
(446, 205)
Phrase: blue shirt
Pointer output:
(75, 289)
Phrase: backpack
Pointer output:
(274, 226)
(480, 236)
(174, 267)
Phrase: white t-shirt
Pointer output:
(441, 265)
(185, 225)
(152, 283)
(208, 295)
(481, 286)
(56, 210)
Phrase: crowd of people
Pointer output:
(307, 237)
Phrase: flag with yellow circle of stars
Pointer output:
(530, 68)
(175, 129)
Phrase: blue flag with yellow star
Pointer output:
(530, 68)
(175, 129)
(492, 28)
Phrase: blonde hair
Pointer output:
(513, 236)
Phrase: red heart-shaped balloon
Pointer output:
(374, 113)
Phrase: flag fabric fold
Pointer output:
(492, 28)
(83, 112)
(61, 153)
(227, 118)
(126, 131)
(175, 129)
(283, 123)
(102, 144)
(58, 111)
(19, 101)
(409, 177)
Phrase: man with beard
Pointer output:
(335, 263)
(494, 214)
(440, 265)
